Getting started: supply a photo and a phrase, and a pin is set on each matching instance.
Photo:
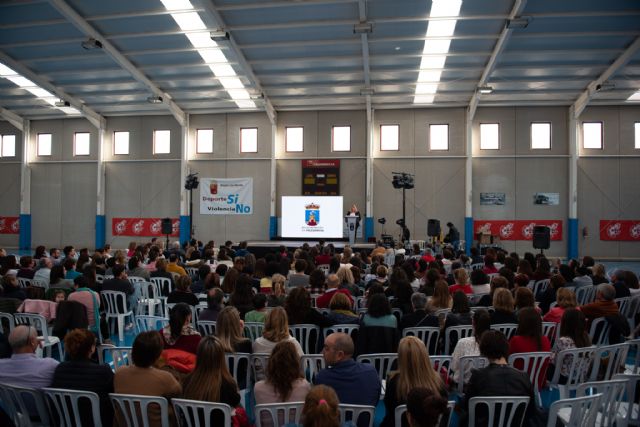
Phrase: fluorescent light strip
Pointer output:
(435, 49)
(26, 84)
(634, 96)
(197, 33)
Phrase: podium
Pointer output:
(352, 224)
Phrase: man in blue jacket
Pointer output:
(355, 383)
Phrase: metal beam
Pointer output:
(81, 24)
(94, 117)
(15, 120)
(213, 14)
(582, 101)
(517, 9)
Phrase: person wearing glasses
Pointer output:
(24, 368)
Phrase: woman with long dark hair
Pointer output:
(469, 346)
(529, 338)
(179, 334)
(573, 334)
(284, 380)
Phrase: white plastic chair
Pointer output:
(577, 412)
(39, 322)
(401, 409)
(194, 413)
(253, 330)
(579, 369)
(612, 396)
(23, 403)
(278, 414)
(354, 412)
(307, 335)
(150, 323)
(438, 363)
(508, 411)
(207, 327)
(7, 318)
(132, 405)
(24, 282)
(599, 331)
(40, 284)
(429, 335)
(163, 283)
(549, 330)
(632, 310)
(239, 365)
(540, 286)
(346, 328)
(151, 298)
(259, 363)
(615, 356)
(477, 266)
(115, 303)
(311, 365)
(629, 410)
(635, 366)
(118, 356)
(534, 364)
(470, 362)
(585, 294)
(453, 334)
(383, 363)
(66, 404)
(507, 329)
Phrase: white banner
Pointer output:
(226, 196)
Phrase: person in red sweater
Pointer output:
(179, 334)
(529, 339)
(565, 298)
(462, 282)
(333, 282)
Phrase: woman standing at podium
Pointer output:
(354, 212)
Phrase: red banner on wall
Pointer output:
(142, 227)
(517, 229)
(620, 230)
(9, 225)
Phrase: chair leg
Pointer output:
(121, 328)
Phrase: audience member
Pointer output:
(173, 267)
(183, 293)
(179, 334)
(230, 331)
(462, 282)
(460, 311)
(529, 338)
(299, 310)
(242, 296)
(259, 311)
(321, 408)
(503, 305)
(441, 298)
(278, 293)
(333, 284)
(603, 306)
(298, 278)
(565, 298)
(24, 368)
(424, 408)
(341, 312)
(420, 316)
(469, 346)
(284, 380)
(572, 335)
(214, 305)
(276, 329)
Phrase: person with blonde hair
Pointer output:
(278, 291)
(321, 408)
(414, 370)
(504, 307)
(462, 282)
(565, 298)
(230, 331)
(441, 298)
(276, 329)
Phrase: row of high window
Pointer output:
(438, 139)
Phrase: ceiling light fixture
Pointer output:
(363, 28)
(485, 90)
(367, 91)
(154, 100)
(91, 44)
(605, 86)
(518, 23)
(62, 103)
(219, 35)
(634, 97)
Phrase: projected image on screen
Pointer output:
(312, 217)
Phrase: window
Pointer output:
(341, 138)
(389, 137)
(8, 143)
(204, 141)
(44, 144)
(637, 136)
(592, 135)
(81, 143)
(489, 136)
(438, 137)
(249, 140)
(294, 139)
(161, 141)
(540, 136)
(121, 143)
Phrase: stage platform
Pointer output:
(261, 247)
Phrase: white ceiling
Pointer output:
(304, 55)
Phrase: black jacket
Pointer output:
(418, 318)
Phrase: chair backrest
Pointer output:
(580, 411)
(401, 409)
(429, 335)
(508, 329)
(259, 363)
(194, 413)
(239, 365)
(453, 333)
(24, 282)
(599, 331)
(99, 278)
(307, 335)
(635, 344)
(207, 327)
(535, 365)
(549, 330)
(502, 411)
(358, 414)
(114, 302)
(23, 403)
(441, 364)
(477, 266)
(540, 286)
(253, 330)
(191, 271)
(136, 279)
(612, 397)
(608, 361)
(383, 362)
(116, 357)
(630, 416)
(278, 414)
(66, 405)
(311, 365)
(470, 362)
(580, 366)
(346, 328)
(150, 323)
(135, 408)
(585, 294)
(38, 321)
(163, 283)
(39, 284)
(632, 310)
(8, 320)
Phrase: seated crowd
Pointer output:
(375, 298)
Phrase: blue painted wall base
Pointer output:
(468, 234)
(25, 232)
(185, 229)
(572, 239)
(101, 230)
(368, 228)
(273, 227)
